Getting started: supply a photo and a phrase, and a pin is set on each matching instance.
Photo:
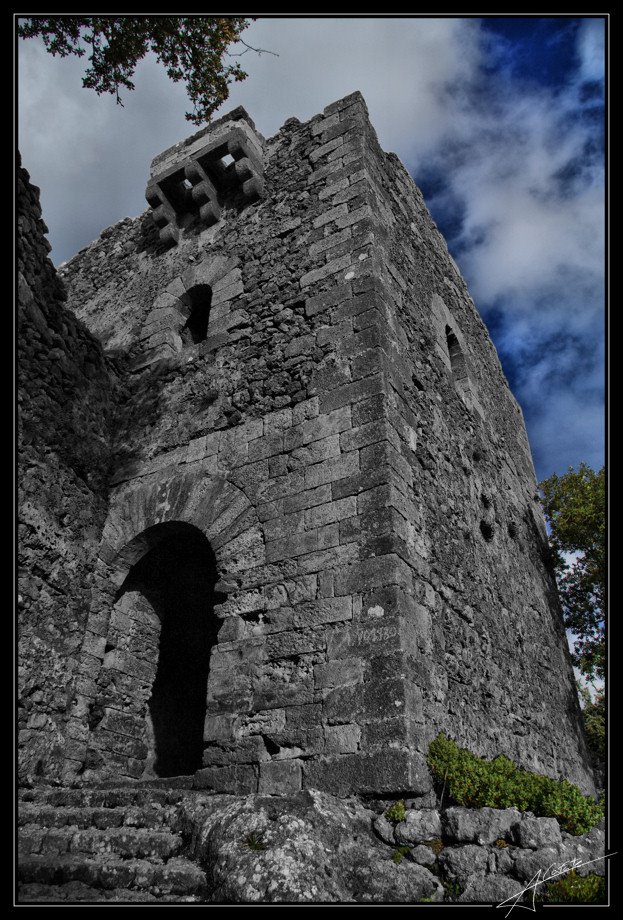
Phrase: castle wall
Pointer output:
(345, 439)
(492, 660)
(65, 404)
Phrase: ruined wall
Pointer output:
(64, 401)
(346, 441)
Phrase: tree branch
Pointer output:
(248, 47)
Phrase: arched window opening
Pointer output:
(457, 358)
(199, 300)
(177, 578)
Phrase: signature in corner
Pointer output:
(545, 875)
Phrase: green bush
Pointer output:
(453, 889)
(576, 889)
(399, 854)
(475, 782)
(396, 812)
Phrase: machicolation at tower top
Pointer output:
(279, 515)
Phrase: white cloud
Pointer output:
(591, 49)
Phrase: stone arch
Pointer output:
(159, 521)
(452, 348)
(163, 332)
(457, 357)
(447, 334)
(212, 503)
(154, 674)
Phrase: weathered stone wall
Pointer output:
(345, 439)
(464, 511)
(64, 400)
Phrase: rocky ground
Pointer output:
(137, 844)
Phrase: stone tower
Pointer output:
(290, 531)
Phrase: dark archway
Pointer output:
(177, 576)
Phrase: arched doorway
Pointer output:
(153, 681)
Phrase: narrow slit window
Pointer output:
(457, 358)
(196, 328)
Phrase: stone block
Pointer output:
(317, 451)
(324, 610)
(371, 433)
(280, 777)
(480, 825)
(327, 242)
(535, 833)
(270, 722)
(359, 482)
(219, 728)
(296, 642)
(461, 863)
(383, 772)
(324, 149)
(491, 889)
(330, 512)
(420, 825)
(325, 271)
(354, 217)
(352, 393)
(320, 302)
(385, 830)
(307, 498)
(422, 855)
(529, 862)
(362, 576)
(342, 739)
(324, 123)
(277, 696)
(266, 446)
(240, 779)
(245, 749)
(319, 427)
(338, 673)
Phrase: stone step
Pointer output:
(147, 816)
(77, 892)
(136, 842)
(174, 880)
(114, 797)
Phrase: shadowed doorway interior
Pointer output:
(177, 577)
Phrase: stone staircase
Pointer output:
(107, 844)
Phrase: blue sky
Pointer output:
(499, 120)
